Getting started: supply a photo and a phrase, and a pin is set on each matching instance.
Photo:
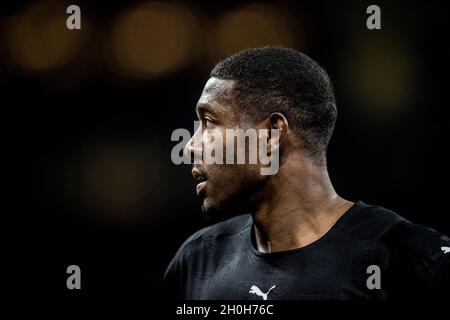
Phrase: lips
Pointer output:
(200, 187)
(200, 176)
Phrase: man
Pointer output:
(290, 235)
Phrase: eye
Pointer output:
(209, 122)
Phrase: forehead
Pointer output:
(217, 96)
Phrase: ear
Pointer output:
(276, 121)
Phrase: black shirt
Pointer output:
(221, 262)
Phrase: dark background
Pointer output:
(88, 115)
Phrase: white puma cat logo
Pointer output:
(445, 249)
(257, 291)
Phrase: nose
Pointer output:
(188, 148)
(194, 146)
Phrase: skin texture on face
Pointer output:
(290, 209)
(229, 188)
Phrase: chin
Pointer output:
(220, 211)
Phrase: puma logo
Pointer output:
(445, 249)
(257, 291)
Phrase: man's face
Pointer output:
(226, 189)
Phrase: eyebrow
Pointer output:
(204, 107)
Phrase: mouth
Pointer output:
(200, 176)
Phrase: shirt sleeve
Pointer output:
(174, 280)
(419, 262)
(171, 286)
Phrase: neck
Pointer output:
(299, 206)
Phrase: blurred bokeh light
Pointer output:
(249, 26)
(381, 75)
(154, 38)
(116, 182)
(92, 175)
(38, 39)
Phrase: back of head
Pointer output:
(284, 80)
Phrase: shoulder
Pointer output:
(419, 238)
(420, 260)
(369, 222)
(222, 230)
(418, 256)
(385, 226)
(419, 249)
(216, 232)
(204, 239)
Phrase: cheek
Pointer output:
(232, 178)
(213, 141)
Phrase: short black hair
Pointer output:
(288, 81)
